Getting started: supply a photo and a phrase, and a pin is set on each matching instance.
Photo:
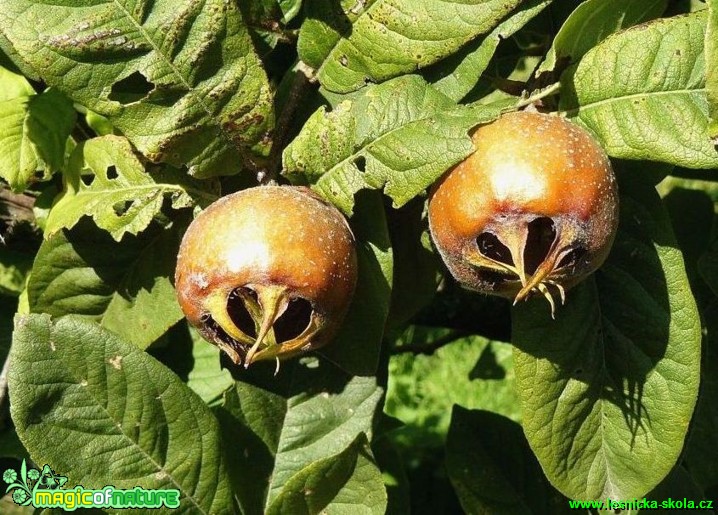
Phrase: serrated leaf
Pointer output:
(180, 80)
(279, 425)
(122, 197)
(349, 482)
(33, 133)
(457, 75)
(642, 92)
(101, 411)
(351, 44)
(711, 43)
(401, 136)
(612, 382)
(124, 286)
(592, 22)
(493, 469)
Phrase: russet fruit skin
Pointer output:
(533, 209)
(267, 273)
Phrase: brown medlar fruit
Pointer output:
(533, 209)
(267, 273)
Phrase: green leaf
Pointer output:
(182, 82)
(401, 135)
(493, 469)
(122, 197)
(592, 22)
(13, 85)
(457, 75)
(642, 92)
(124, 286)
(33, 133)
(277, 426)
(386, 38)
(612, 382)
(470, 371)
(357, 346)
(101, 411)
(712, 67)
(207, 378)
(349, 482)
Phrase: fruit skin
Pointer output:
(527, 166)
(256, 251)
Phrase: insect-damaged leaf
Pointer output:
(179, 79)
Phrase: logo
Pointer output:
(44, 489)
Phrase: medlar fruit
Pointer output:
(534, 208)
(267, 273)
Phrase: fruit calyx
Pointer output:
(536, 254)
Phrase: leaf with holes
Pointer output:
(612, 382)
(359, 42)
(181, 81)
(125, 286)
(121, 196)
(33, 131)
(279, 428)
(642, 92)
(91, 404)
(400, 136)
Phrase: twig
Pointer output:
(430, 347)
(304, 77)
(540, 94)
(15, 208)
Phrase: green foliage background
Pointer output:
(120, 121)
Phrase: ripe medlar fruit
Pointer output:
(267, 273)
(535, 207)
